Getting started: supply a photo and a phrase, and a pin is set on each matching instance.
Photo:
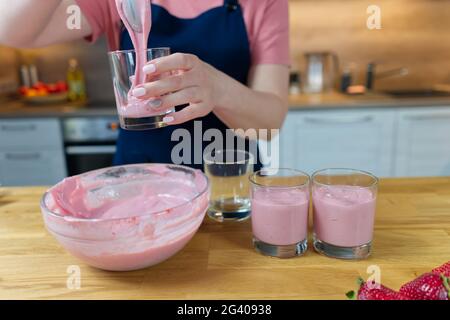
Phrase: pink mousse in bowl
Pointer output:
(128, 217)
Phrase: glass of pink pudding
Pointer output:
(134, 113)
(344, 204)
(280, 206)
(129, 217)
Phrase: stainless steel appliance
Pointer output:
(89, 142)
(321, 70)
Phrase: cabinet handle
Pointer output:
(23, 156)
(428, 117)
(339, 120)
(18, 127)
(90, 150)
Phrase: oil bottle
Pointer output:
(76, 82)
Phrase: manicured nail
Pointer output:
(149, 68)
(139, 92)
(168, 119)
(155, 103)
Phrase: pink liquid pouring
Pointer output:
(280, 216)
(135, 107)
(344, 215)
(139, 36)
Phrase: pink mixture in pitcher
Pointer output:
(344, 215)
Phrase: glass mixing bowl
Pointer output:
(128, 217)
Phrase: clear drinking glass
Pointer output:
(344, 202)
(134, 113)
(280, 206)
(228, 172)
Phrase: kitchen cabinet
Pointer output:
(24, 133)
(359, 138)
(35, 167)
(423, 142)
(31, 152)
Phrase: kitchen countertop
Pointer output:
(337, 100)
(412, 236)
(17, 109)
(14, 109)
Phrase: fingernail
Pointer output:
(168, 119)
(155, 103)
(149, 68)
(139, 92)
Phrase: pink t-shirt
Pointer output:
(267, 23)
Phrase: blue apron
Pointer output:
(218, 37)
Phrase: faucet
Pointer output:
(372, 75)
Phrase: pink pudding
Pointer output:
(135, 107)
(127, 218)
(280, 215)
(344, 215)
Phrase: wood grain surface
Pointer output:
(414, 34)
(412, 236)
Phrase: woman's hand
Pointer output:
(192, 82)
(262, 105)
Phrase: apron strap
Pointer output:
(231, 5)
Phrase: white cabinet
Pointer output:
(37, 133)
(423, 142)
(31, 152)
(20, 168)
(360, 139)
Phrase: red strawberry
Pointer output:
(429, 286)
(370, 291)
(444, 269)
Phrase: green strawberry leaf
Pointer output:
(446, 284)
(351, 295)
(360, 281)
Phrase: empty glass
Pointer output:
(228, 172)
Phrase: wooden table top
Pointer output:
(412, 236)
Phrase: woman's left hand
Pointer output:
(193, 82)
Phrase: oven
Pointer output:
(89, 142)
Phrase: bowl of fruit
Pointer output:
(45, 93)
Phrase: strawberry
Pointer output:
(444, 269)
(372, 292)
(429, 286)
(62, 86)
